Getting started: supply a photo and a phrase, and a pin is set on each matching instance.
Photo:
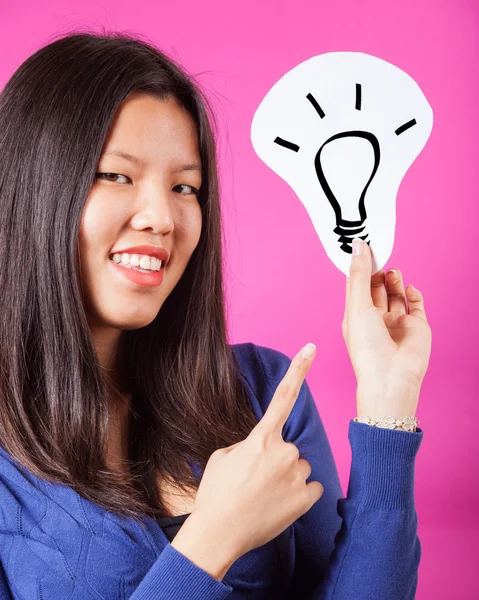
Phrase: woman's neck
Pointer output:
(117, 454)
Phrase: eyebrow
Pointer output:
(194, 166)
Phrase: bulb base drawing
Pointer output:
(347, 235)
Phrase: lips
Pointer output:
(150, 278)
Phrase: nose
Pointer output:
(155, 213)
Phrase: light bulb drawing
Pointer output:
(346, 165)
(344, 227)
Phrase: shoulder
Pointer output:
(20, 495)
(268, 360)
(262, 366)
(22, 508)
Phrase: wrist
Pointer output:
(199, 543)
(387, 399)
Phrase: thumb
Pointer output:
(360, 277)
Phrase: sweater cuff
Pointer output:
(382, 466)
(174, 576)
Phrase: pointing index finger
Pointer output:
(287, 391)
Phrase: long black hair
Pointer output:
(187, 400)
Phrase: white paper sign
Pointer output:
(342, 129)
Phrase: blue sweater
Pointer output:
(55, 544)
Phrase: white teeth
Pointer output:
(145, 262)
(134, 260)
(148, 263)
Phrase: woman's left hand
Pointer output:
(389, 345)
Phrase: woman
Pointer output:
(141, 456)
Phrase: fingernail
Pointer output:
(308, 351)
(357, 246)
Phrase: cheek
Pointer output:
(98, 225)
(188, 227)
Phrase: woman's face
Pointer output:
(151, 202)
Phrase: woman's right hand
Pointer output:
(252, 491)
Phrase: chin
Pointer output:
(126, 320)
(135, 322)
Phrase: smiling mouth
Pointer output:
(138, 275)
(138, 268)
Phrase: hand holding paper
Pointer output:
(389, 342)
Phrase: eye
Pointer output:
(101, 176)
(107, 176)
(195, 190)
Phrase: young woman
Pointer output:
(141, 455)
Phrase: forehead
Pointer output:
(146, 129)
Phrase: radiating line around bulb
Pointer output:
(286, 144)
(407, 125)
(313, 101)
(358, 97)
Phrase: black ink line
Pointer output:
(319, 110)
(286, 144)
(358, 96)
(407, 125)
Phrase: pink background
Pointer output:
(283, 289)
